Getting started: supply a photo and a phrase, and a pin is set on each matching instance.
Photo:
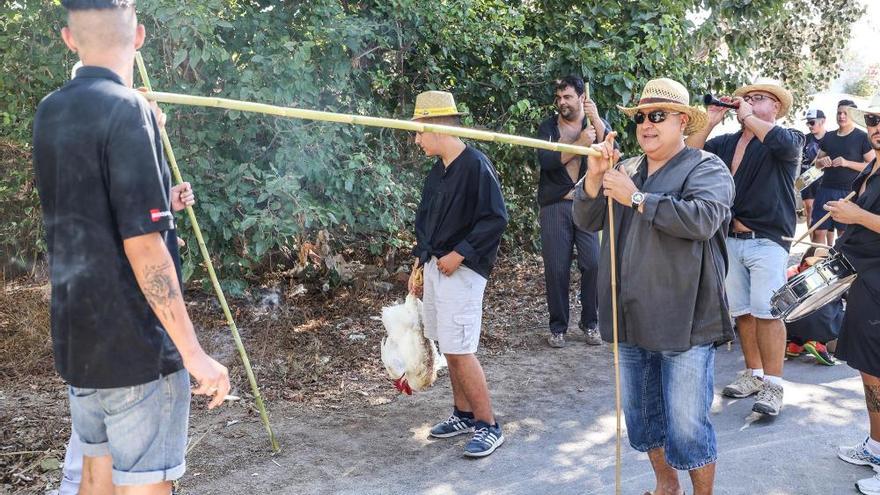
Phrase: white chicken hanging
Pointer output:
(411, 360)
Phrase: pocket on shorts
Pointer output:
(118, 400)
(466, 324)
(82, 392)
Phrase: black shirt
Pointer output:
(102, 178)
(811, 149)
(851, 147)
(859, 244)
(462, 210)
(764, 181)
(555, 182)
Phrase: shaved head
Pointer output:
(103, 28)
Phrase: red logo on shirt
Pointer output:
(156, 215)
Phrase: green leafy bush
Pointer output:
(264, 185)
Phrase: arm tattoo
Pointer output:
(872, 397)
(160, 289)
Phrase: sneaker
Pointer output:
(556, 340)
(818, 350)
(769, 399)
(745, 385)
(454, 425)
(859, 455)
(486, 439)
(793, 350)
(869, 486)
(592, 335)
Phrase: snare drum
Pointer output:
(808, 178)
(813, 288)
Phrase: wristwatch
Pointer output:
(637, 199)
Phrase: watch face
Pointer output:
(638, 197)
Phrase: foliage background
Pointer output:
(266, 185)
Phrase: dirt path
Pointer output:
(558, 416)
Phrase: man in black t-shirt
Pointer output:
(120, 330)
(764, 159)
(843, 154)
(816, 123)
(559, 235)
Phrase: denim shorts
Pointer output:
(824, 195)
(453, 308)
(666, 400)
(143, 428)
(756, 271)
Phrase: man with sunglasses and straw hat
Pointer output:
(671, 215)
(764, 159)
(859, 342)
(459, 224)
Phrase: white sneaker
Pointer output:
(745, 385)
(869, 486)
(859, 455)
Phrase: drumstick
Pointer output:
(808, 243)
(822, 220)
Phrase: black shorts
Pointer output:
(859, 343)
(809, 192)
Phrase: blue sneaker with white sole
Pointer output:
(452, 426)
(486, 439)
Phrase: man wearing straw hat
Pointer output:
(671, 214)
(559, 236)
(859, 343)
(120, 331)
(764, 159)
(459, 224)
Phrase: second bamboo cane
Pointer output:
(172, 161)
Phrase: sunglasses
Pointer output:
(872, 119)
(811, 123)
(655, 117)
(757, 98)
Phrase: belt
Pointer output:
(743, 235)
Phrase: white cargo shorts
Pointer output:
(453, 308)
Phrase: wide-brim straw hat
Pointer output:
(670, 95)
(435, 104)
(857, 115)
(773, 87)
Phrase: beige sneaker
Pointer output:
(556, 340)
(769, 399)
(745, 385)
(593, 337)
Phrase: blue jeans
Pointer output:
(143, 428)
(756, 270)
(666, 401)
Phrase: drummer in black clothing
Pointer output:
(859, 343)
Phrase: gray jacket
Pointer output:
(672, 259)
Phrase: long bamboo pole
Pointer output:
(211, 273)
(342, 118)
(612, 244)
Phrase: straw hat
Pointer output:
(773, 87)
(857, 115)
(435, 104)
(672, 95)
